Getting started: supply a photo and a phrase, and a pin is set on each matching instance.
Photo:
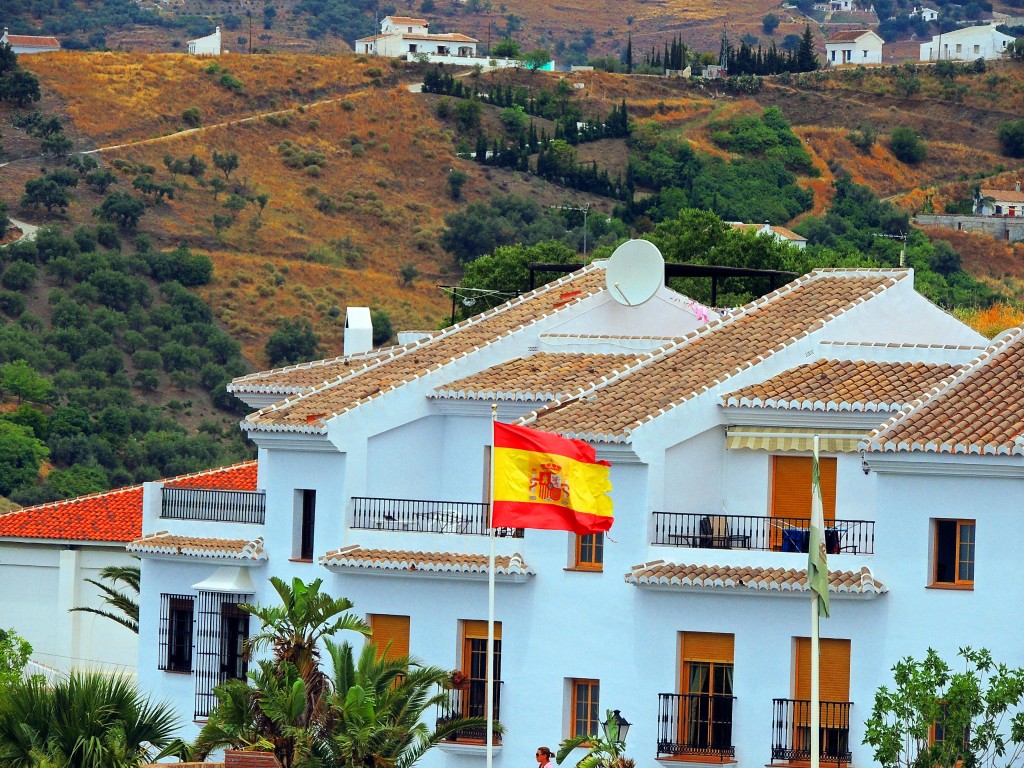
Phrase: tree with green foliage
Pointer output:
(293, 341)
(5, 222)
(907, 146)
(978, 709)
(806, 58)
(122, 607)
(497, 277)
(21, 380)
(536, 59)
(225, 162)
(481, 227)
(122, 209)
(47, 192)
(19, 86)
(1011, 137)
(21, 457)
(85, 720)
(506, 48)
(382, 328)
(769, 23)
(15, 652)
(456, 180)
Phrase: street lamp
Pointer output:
(618, 720)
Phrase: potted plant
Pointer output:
(459, 680)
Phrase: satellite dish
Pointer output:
(635, 272)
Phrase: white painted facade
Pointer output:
(1002, 202)
(563, 624)
(409, 38)
(866, 48)
(206, 46)
(28, 44)
(967, 44)
(42, 580)
(925, 13)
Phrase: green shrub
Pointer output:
(907, 146)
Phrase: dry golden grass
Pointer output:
(994, 320)
(130, 96)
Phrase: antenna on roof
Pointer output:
(903, 251)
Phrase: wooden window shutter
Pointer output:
(707, 646)
(834, 673)
(791, 486)
(387, 628)
(478, 629)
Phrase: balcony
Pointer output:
(791, 731)
(213, 506)
(421, 516)
(470, 701)
(768, 534)
(695, 724)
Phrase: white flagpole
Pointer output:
(815, 681)
(489, 704)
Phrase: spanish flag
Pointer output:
(543, 480)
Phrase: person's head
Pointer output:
(543, 755)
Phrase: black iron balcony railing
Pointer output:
(213, 506)
(424, 516)
(695, 724)
(470, 700)
(791, 730)
(778, 534)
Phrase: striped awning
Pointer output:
(791, 439)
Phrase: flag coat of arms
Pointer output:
(543, 480)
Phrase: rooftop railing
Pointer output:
(213, 505)
(425, 516)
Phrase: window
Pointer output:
(954, 553)
(977, 49)
(305, 523)
(834, 689)
(938, 734)
(385, 629)
(222, 630)
(791, 500)
(585, 703)
(959, 48)
(705, 717)
(590, 552)
(176, 633)
(473, 701)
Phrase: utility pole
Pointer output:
(249, 14)
(586, 210)
(902, 236)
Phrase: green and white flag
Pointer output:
(817, 562)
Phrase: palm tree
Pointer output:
(376, 710)
(125, 606)
(84, 720)
(607, 751)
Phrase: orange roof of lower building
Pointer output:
(33, 41)
(112, 516)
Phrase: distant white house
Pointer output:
(967, 44)
(30, 43)
(925, 13)
(780, 234)
(857, 46)
(206, 46)
(1002, 202)
(403, 37)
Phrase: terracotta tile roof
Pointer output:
(163, 543)
(452, 37)
(304, 377)
(409, 20)
(846, 36)
(980, 410)
(658, 573)
(34, 41)
(1004, 195)
(308, 412)
(542, 376)
(789, 234)
(426, 562)
(843, 385)
(713, 353)
(114, 516)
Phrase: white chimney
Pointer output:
(1018, 186)
(358, 331)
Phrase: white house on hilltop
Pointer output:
(691, 616)
(779, 234)
(21, 44)
(206, 46)
(854, 47)
(967, 44)
(406, 37)
(1002, 202)
(925, 13)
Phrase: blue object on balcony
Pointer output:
(795, 539)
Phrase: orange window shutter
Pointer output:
(707, 646)
(387, 628)
(791, 486)
(478, 629)
(834, 678)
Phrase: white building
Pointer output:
(48, 551)
(206, 46)
(375, 478)
(967, 44)
(1002, 202)
(925, 13)
(779, 234)
(854, 47)
(30, 43)
(406, 37)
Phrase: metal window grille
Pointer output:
(222, 630)
(175, 641)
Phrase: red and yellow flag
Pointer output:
(543, 480)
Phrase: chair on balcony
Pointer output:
(715, 534)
